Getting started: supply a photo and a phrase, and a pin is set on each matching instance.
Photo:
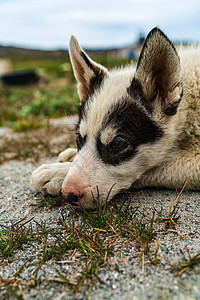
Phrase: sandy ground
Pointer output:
(132, 282)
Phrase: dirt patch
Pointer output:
(32, 145)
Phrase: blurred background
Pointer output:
(36, 78)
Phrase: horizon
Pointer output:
(46, 25)
(94, 48)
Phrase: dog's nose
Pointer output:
(72, 198)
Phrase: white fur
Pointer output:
(48, 178)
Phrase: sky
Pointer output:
(48, 24)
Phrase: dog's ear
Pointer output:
(158, 72)
(88, 73)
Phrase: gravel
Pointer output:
(132, 282)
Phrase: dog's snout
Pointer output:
(72, 198)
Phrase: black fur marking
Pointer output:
(81, 114)
(171, 109)
(95, 82)
(110, 156)
(135, 91)
(80, 141)
(133, 126)
(87, 61)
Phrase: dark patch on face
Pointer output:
(134, 127)
(80, 141)
(81, 113)
(111, 156)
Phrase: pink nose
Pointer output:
(73, 197)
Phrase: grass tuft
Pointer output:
(93, 235)
(13, 237)
(189, 262)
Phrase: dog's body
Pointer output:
(137, 127)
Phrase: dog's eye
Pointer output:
(80, 140)
(118, 145)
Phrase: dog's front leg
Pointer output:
(48, 178)
(67, 155)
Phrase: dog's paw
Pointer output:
(67, 155)
(48, 178)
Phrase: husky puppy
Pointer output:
(137, 127)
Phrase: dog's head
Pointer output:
(125, 120)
